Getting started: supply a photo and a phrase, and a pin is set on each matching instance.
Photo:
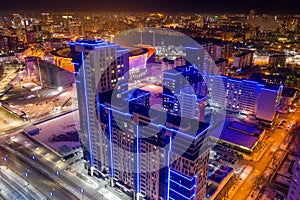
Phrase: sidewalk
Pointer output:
(82, 177)
(242, 177)
(267, 175)
(98, 185)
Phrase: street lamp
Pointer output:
(33, 157)
(52, 193)
(26, 174)
(60, 89)
(5, 161)
(57, 173)
(81, 191)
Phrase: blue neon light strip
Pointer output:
(98, 107)
(123, 84)
(143, 95)
(169, 79)
(180, 185)
(168, 164)
(170, 129)
(166, 95)
(110, 147)
(201, 98)
(114, 110)
(122, 50)
(159, 126)
(87, 109)
(177, 73)
(97, 45)
(249, 81)
(193, 48)
(187, 178)
(183, 195)
(137, 159)
(271, 90)
(196, 182)
(123, 92)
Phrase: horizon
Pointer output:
(289, 7)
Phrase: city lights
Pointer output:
(199, 104)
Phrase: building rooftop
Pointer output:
(191, 128)
(90, 40)
(60, 134)
(242, 54)
(137, 51)
(266, 86)
(278, 56)
(56, 39)
(245, 128)
(237, 137)
(91, 43)
(62, 52)
(289, 92)
(211, 189)
(219, 175)
(221, 60)
(66, 52)
(260, 76)
(210, 40)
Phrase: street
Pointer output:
(277, 137)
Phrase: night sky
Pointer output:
(200, 6)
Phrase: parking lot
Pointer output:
(221, 155)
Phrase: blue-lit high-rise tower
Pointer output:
(99, 65)
(182, 89)
(147, 153)
(155, 159)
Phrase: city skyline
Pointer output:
(190, 6)
(149, 105)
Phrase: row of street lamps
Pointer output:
(27, 174)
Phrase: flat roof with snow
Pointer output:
(237, 137)
(60, 134)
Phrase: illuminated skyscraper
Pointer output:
(181, 88)
(147, 153)
(151, 158)
(98, 67)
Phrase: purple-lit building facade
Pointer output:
(98, 67)
(152, 160)
(246, 97)
(137, 63)
(133, 148)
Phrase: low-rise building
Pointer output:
(243, 60)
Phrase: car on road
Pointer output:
(30, 97)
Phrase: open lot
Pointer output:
(8, 121)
